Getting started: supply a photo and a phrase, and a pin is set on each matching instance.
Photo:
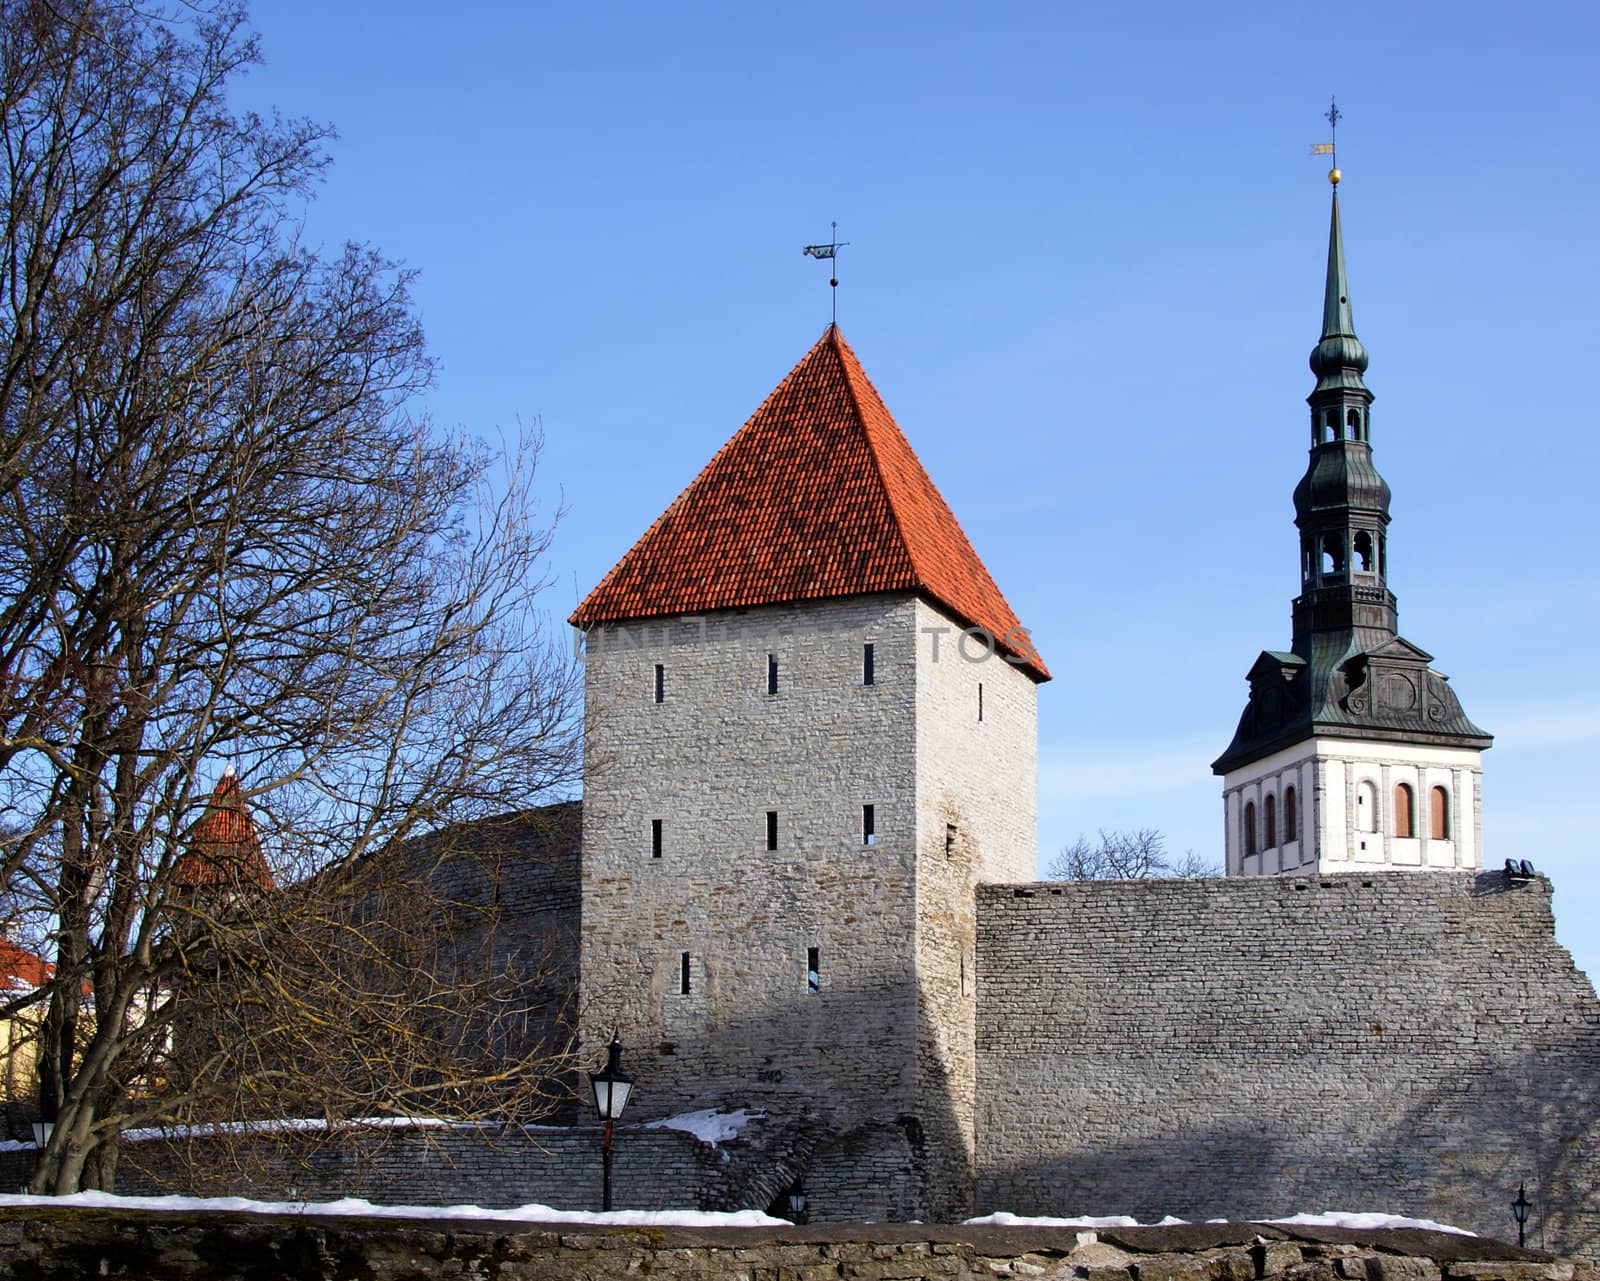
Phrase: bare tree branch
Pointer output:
(230, 538)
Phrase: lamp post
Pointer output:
(1519, 1211)
(797, 1204)
(611, 1090)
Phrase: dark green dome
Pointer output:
(1337, 353)
(1341, 476)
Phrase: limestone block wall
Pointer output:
(1260, 1046)
(830, 976)
(977, 814)
(707, 761)
(653, 1169)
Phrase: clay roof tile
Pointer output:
(818, 495)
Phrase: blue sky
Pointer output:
(1085, 270)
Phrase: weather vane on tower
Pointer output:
(830, 251)
(1331, 147)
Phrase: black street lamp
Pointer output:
(1519, 1211)
(611, 1090)
(797, 1204)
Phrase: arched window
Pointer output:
(1366, 807)
(1249, 827)
(1291, 826)
(1332, 555)
(1405, 817)
(1363, 548)
(1269, 809)
(1330, 430)
(1439, 814)
(1353, 419)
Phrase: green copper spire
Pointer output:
(1336, 302)
(1339, 359)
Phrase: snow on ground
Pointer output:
(357, 1208)
(1346, 1219)
(1004, 1220)
(1327, 1219)
(709, 1126)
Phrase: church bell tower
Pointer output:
(1353, 753)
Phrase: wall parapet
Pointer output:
(47, 1244)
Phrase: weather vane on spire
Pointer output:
(1331, 147)
(831, 252)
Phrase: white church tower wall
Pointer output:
(1344, 805)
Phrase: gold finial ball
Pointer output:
(1333, 176)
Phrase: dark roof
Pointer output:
(1386, 692)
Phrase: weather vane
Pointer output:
(1331, 147)
(831, 252)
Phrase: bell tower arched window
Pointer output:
(1333, 555)
(1405, 817)
(1353, 424)
(1439, 814)
(1365, 562)
(1269, 810)
(1249, 827)
(1291, 824)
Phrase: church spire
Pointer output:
(1342, 503)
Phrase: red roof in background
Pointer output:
(21, 969)
(224, 847)
(818, 495)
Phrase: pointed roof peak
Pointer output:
(1339, 359)
(818, 495)
(224, 847)
(1336, 317)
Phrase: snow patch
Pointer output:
(1348, 1219)
(708, 1125)
(358, 1208)
(1327, 1219)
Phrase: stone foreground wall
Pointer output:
(1403, 1042)
(653, 1169)
(54, 1245)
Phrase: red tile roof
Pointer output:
(21, 969)
(818, 495)
(224, 847)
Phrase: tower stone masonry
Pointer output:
(810, 735)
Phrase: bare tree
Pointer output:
(1130, 855)
(228, 537)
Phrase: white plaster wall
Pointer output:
(1329, 773)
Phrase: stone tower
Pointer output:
(810, 733)
(1352, 752)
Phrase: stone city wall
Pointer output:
(55, 1245)
(1406, 1042)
